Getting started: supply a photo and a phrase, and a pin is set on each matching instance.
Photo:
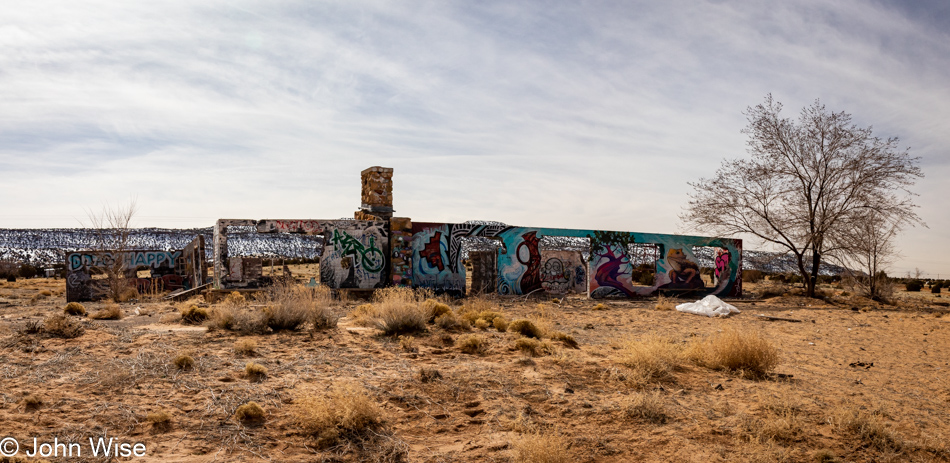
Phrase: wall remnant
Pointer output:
(168, 270)
(378, 250)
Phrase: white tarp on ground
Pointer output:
(710, 306)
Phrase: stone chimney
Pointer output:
(377, 194)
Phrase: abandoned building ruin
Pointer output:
(376, 250)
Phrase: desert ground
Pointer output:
(607, 381)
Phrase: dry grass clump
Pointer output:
(363, 315)
(290, 306)
(245, 346)
(32, 402)
(345, 411)
(599, 306)
(399, 311)
(500, 324)
(748, 353)
(109, 312)
(664, 303)
(322, 314)
(435, 309)
(565, 338)
(184, 361)
(235, 298)
(61, 326)
(472, 344)
(74, 308)
(427, 375)
(481, 324)
(46, 293)
(532, 347)
(652, 358)
(782, 422)
(235, 315)
(193, 315)
(543, 448)
(525, 328)
(250, 413)
(868, 427)
(646, 407)
(255, 372)
(406, 343)
(160, 420)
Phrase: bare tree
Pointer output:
(805, 182)
(112, 227)
(865, 249)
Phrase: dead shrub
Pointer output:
(599, 306)
(255, 372)
(184, 361)
(193, 315)
(646, 407)
(32, 402)
(525, 328)
(322, 314)
(406, 343)
(773, 290)
(664, 303)
(109, 312)
(868, 427)
(652, 359)
(46, 293)
(160, 420)
(245, 346)
(242, 319)
(399, 311)
(481, 324)
(748, 353)
(448, 321)
(528, 346)
(62, 326)
(500, 324)
(435, 308)
(472, 344)
(235, 298)
(427, 375)
(565, 339)
(287, 306)
(74, 308)
(345, 411)
(363, 315)
(250, 413)
(541, 447)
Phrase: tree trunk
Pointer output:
(813, 278)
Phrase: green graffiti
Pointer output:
(370, 257)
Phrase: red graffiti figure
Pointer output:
(432, 252)
(531, 280)
(608, 273)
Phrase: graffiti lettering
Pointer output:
(130, 259)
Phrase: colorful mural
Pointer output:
(608, 271)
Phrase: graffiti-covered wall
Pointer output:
(355, 255)
(86, 272)
(523, 268)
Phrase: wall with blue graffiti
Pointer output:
(355, 255)
(523, 266)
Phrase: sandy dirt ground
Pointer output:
(886, 363)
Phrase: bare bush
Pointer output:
(345, 411)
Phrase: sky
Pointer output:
(585, 114)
